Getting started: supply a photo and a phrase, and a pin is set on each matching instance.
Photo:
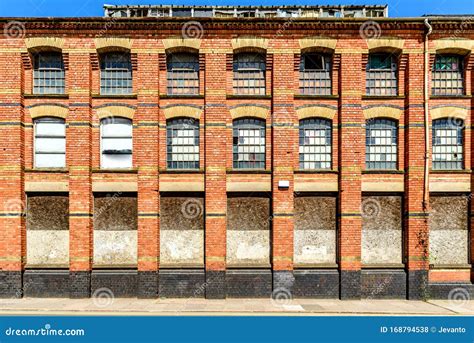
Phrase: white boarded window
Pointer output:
(50, 143)
(116, 143)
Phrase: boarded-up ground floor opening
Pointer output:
(248, 245)
(182, 245)
(115, 243)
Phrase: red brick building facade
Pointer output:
(288, 182)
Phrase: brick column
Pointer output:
(12, 198)
(350, 162)
(215, 179)
(147, 158)
(78, 154)
(416, 220)
(284, 138)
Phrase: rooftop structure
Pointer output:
(350, 11)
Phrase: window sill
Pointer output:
(316, 266)
(181, 171)
(242, 96)
(181, 96)
(382, 97)
(383, 266)
(308, 96)
(451, 97)
(316, 171)
(46, 96)
(47, 170)
(382, 171)
(451, 171)
(124, 170)
(450, 266)
(248, 171)
(114, 96)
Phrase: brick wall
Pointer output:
(149, 176)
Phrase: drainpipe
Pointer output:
(426, 107)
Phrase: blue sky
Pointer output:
(83, 8)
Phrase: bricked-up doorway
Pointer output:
(248, 245)
(47, 245)
(182, 245)
(115, 243)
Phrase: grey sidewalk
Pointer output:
(191, 306)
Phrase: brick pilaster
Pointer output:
(284, 137)
(350, 163)
(78, 154)
(12, 197)
(416, 215)
(215, 179)
(146, 159)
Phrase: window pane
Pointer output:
(50, 129)
(249, 74)
(183, 73)
(50, 160)
(116, 143)
(381, 144)
(182, 143)
(315, 143)
(112, 161)
(447, 144)
(447, 76)
(315, 74)
(50, 145)
(381, 75)
(116, 73)
(249, 143)
(48, 73)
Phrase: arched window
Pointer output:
(183, 73)
(447, 144)
(381, 144)
(115, 73)
(315, 74)
(50, 143)
(447, 77)
(381, 75)
(48, 73)
(315, 143)
(182, 143)
(249, 73)
(249, 143)
(116, 143)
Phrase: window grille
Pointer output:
(315, 74)
(315, 143)
(50, 143)
(447, 144)
(116, 73)
(249, 74)
(249, 143)
(116, 143)
(381, 144)
(447, 76)
(182, 143)
(48, 73)
(381, 75)
(183, 74)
